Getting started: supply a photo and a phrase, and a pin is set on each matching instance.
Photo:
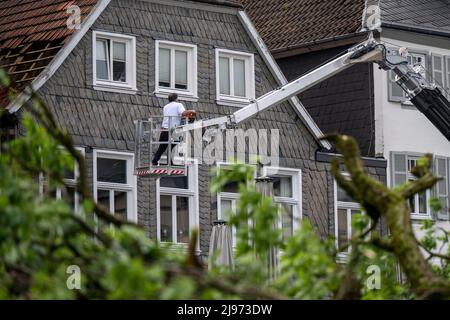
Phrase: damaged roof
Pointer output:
(31, 34)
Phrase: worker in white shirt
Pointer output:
(173, 112)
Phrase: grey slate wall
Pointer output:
(344, 103)
(104, 120)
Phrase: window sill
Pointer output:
(407, 104)
(184, 96)
(177, 247)
(232, 102)
(116, 89)
(421, 217)
(342, 257)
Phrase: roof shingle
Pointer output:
(290, 23)
(431, 14)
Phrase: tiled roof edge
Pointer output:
(60, 57)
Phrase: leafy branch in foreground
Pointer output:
(40, 236)
(392, 204)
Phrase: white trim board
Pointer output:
(279, 76)
(60, 57)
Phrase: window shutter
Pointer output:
(399, 168)
(447, 76)
(437, 67)
(442, 187)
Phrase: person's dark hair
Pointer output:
(173, 97)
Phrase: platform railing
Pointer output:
(147, 142)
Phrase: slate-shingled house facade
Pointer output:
(114, 69)
(363, 101)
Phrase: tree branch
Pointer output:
(201, 278)
(434, 254)
(424, 183)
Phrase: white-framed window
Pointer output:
(68, 191)
(287, 195)
(115, 184)
(114, 62)
(176, 69)
(287, 188)
(401, 165)
(345, 209)
(177, 206)
(235, 76)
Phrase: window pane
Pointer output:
(239, 77)
(224, 75)
(399, 163)
(164, 67)
(120, 204)
(183, 219)
(423, 203)
(342, 195)
(180, 69)
(282, 186)
(119, 62)
(342, 227)
(119, 71)
(166, 218)
(68, 194)
(232, 187)
(400, 179)
(411, 164)
(119, 51)
(412, 204)
(287, 220)
(102, 57)
(103, 199)
(69, 174)
(174, 182)
(111, 170)
(226, 208)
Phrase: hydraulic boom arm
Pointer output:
(425, 96)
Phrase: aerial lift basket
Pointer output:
(147, 142)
